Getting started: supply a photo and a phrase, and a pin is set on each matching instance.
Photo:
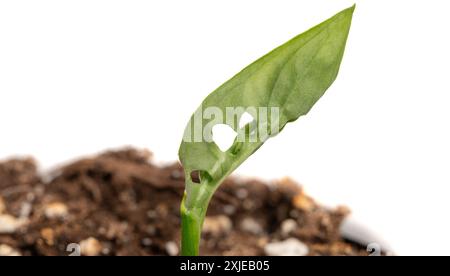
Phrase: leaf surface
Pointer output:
(292, 78)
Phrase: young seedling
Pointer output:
(275, 90)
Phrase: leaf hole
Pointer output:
(248, 125)
(245, 119)
(197, 176)
(223, 136)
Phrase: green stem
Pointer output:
(191, 225)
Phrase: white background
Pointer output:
(78, 77)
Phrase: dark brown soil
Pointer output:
(119, 203)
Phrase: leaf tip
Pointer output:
(350, 10)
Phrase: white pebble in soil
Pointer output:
(288, 226)
(56, 210)
(217, 225)
(176, 174)
(229, 209)
(106, 251)
(147, 242)
(289, 247)
(9, 224)
(172, 248)
(25, 209)
(251, 226)
(91, 247)
(242, 193)
(8, 251)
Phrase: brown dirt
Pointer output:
(119, 203)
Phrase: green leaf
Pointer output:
(291, 78)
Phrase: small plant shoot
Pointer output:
(275, 90)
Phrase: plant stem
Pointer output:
(191, 224)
